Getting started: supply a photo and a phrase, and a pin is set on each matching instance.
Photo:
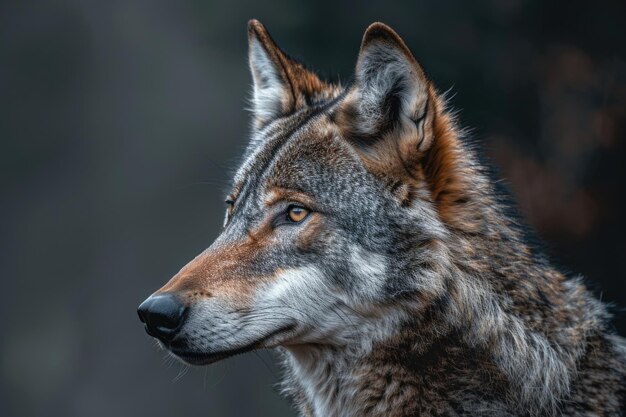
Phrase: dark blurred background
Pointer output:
(121, 122)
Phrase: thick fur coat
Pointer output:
(365, 240)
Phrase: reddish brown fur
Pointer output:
(444, 171)
(219, 272)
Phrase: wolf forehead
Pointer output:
(305, 153)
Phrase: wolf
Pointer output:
(367, 243)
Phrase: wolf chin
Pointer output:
(365, 241)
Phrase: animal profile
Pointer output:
(366, 242)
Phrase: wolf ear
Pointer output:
(391, 95)
(397, 123)
(281, 85)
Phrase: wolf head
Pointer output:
(335, 215)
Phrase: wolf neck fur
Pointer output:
(478, 306)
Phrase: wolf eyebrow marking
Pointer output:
(277, 194)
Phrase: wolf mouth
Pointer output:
(207, 358)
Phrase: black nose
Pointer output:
(162, 314)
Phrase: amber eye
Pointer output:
(297, 214)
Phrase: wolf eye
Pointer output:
(296, 214)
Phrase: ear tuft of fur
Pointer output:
(281, 85)
(389, 102)
(391, 92)
(271, 92)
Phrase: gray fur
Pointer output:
(381, 302)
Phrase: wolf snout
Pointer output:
(162, 315)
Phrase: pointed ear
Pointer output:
(391, 95)
(281, 85)
(397, 123)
